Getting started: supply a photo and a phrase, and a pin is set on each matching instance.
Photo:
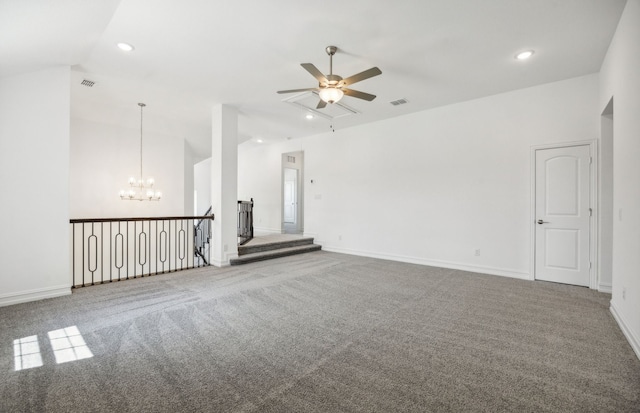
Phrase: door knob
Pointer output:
(542, 222)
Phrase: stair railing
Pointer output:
(245, 221)
(202, 238)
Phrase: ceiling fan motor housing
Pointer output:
(332, 81)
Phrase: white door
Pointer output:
(562, 214)
(290, 195)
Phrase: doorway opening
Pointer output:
(292, 193)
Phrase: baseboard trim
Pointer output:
(219, 264)
(265, 231)
(433, 263)
(605, 288)
(631, 338)
(34, 295)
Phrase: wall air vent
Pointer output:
(309, 100)
(88, 83)
(399, 102)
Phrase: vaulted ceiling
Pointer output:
(193, 54)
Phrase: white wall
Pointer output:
(620, 78)
(189, 184)
(259, 177)
(429, 187)
(34, 185)
(103, 157)
(202, 185)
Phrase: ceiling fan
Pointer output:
(332, 88)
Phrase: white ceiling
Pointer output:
(193, 54)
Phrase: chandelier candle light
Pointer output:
(140, 189)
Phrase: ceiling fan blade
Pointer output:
(309, 67)
(374, 71)
(321, 104)
(358, 94)
(298, 90)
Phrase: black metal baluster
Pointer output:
(110, 251)
(89, 255)
(134, 250)
(101, 252)
(122, 263)
(127, 250)
(143, 249)
(163, 250)
(83, 255)
(180, 245)
(189, 250)
(156, 247)
(149, 248)
(73, 255)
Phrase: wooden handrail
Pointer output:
(85, 220)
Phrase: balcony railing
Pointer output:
(114, 249)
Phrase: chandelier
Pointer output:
(140, 189)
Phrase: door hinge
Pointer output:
(589, 265)
(590, 212)
(590, 160)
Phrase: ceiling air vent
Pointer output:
(399, 102)
(88, 83)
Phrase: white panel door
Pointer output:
(563, 215)
(290, 195)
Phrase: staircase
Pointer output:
(273, 246)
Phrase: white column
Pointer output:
(35, 113)
(224, 184)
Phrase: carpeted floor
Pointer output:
(320, 332)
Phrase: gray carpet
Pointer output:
(323, 332)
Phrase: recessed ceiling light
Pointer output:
(524, 55)
(309, 116)
(259, 140)
(125, 47)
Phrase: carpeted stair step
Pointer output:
(251, 249)
(274, 253)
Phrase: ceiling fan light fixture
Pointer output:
(331, 94)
